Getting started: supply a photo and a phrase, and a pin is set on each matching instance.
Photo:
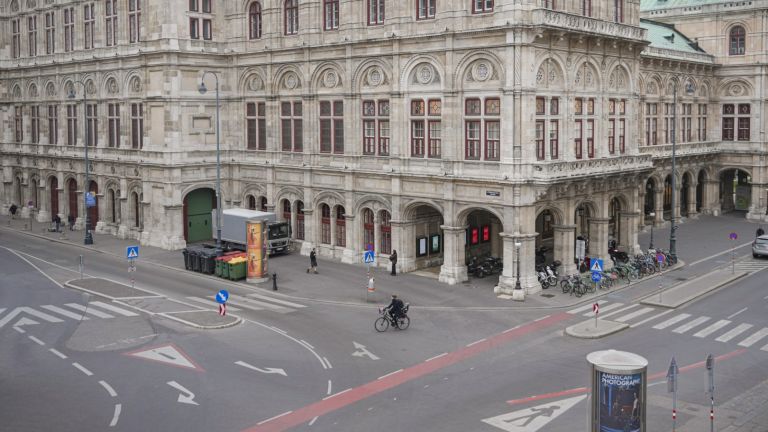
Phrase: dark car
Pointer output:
(760, 246)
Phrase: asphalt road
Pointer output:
(322, 367)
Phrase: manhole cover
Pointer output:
(548, 295)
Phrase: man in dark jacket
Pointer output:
(312, 262)
(12, 210)
(395, 308)
(57, 222)
(393, 260)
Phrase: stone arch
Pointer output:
(619, 79)
(586, 76)
(464, 211)
(255, 190)
(550, 73)
(68, 85)
(653, 85)
(554, 209)
(372, 74)
(288, 78)
(203, 185)
(479, 68)
(252, 80)
(132, 83)
(408, 210)
(735, 87)
(290, 193)
(424, 72)
(374, 202)
(723, 169)
(109, 86)
(728, 26)
(327, 77)
(332, 198)
(50, 89)
(16, 92)
(32, 92)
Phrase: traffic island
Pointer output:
(591, 330)
(203, 319)
(690, 290)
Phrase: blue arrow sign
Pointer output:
(368, 257)
(132, 252)
(596, 276)
(222, 296)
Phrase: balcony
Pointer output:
(559, 170)
(683, 149)
(581, 24)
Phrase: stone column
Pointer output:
(310, 232)
(629, 230)
(293, 220)
(528, 281)
(678, 201)
(380, 261)
(565, 247)
(659, 202)
(43, 205)
(453, 270)
(712, 204)
(692, 213)
(404, 257)
(757, 202)
(350, 254)
(598, 245)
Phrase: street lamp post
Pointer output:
(673, 228)
(517, 256)
(203, 89)
(88, 236)
(653, 222)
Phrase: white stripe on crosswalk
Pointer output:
(754, 338)
(211, 303)
(765, 348)
(246, 303)
(634, 314)
(278, 301)
(618, 311)
(605, 309)
(88, 310)
(733, 333)
(114, 309)
(586, 307)
(65, 312)
(691, 324)
(658, 315)
(712, 328)
(671, 321)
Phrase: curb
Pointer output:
(617, 327)
(170, 316)
(647, 299)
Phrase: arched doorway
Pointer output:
(545, 223)
(735, 190)
(423, 238)
(700, 185)
(385, 246)
(93, 212)
(251, 202)
(33, 193)
(341, 226)
(198, 220)
(369, 230)
(685, 194)
(614, 221)
(483, 240)
(583, 213)
(136, 210)
(112, 205)
(53, 188)
(72, 198)
(650, 200)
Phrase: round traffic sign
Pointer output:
(734, 236)
(222, 296)
(596, 277)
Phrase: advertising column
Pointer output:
(256, 249)
(619, 381)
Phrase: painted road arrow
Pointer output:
(534, 418)
(362, 351)
(264, 371)
(186, 396)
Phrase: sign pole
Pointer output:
(672, 388)
(711, 390)
(733, 237)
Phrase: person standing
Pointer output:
(393, 260)
(57, 222)
(71, 222)
(312, 262)
(12, 210)
(760, 231)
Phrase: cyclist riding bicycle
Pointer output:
(395, 308)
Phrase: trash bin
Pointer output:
(194, 258)
(207, 263)
(187, 263)
(237, 269)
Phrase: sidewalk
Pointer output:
(344, 283)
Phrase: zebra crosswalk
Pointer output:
(55, 314)
(252, 302)
(751, 265)
(726, 331)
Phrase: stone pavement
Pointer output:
(683, 293)
(344, 283)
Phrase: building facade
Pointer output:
(442, 130)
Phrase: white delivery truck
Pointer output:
(233, 229)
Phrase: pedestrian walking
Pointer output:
(71, 222)
(57, 222)
(393, 260)
(312, 262)
(760, 231)
(12, 210)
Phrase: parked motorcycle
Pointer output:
(541, 257)
(617, 256)
(489, 266)
(546, 279)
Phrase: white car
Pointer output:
(760, 246)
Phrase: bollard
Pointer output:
(81, 267)
(274, 281)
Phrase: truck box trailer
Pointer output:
(233, 229)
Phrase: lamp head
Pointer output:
(202, 88)
(518, 244)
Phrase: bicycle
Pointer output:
(383, 322)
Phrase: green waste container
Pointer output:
(225, 267)
(237, 271)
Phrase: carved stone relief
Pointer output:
(736, 90)
(425, 74)
(31, 4)
(14, 6)
(90, 87)
(291, 81)
(652, 89)
(255, 83)
(50, 90)
(33, 91)
(16, 92)
(135, 85)
(112, 88)
(375, 77)
(330, 79)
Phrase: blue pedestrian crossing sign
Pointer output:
(90, 200)
(597, 265)
(132, 252)
(222, 296)
(368, 257)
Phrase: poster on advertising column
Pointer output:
(620, 402)
(256, 250)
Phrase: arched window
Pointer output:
(386, 232)
(341, 227)
(287, 211)
(299, 220)
(263, 206)
(136, 210)
(254, 21)
(737, 39)
(325, 224)
(291, 17)
(368, 230)
(251, 202)
(112, 204)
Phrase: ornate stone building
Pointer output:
(441, 129)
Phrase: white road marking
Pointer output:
(389, 374)
(691, 324)
(114, 309)
(328, 362)
(20, 330)
(256, 304)
(280, 331)
(272, 418)
(534, 418)
(185, 396)
(311, 422)
(585, 307)
(274, 300)
(29, 311)
(36, 340)
(82, 368)
(330, 386)
(754, 338)
(116, 416)
(510, 329)
(65, 312)
(634, 314)
(58, 353)
(718, 254)
(166, 354)
(604, 309)
(35, 267)
(306, 343)
(542, 318)
(277, 330)
(362, 351)
(334, 395)
(659, 315)
(264, 371)
(603, 315)
(88, 310)
(733, 333)
(436, 357)
(712, 328)
(207, 302)
(765, 348)
(734, 314)
(671, 321)
(108, 388)
(476, 342)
